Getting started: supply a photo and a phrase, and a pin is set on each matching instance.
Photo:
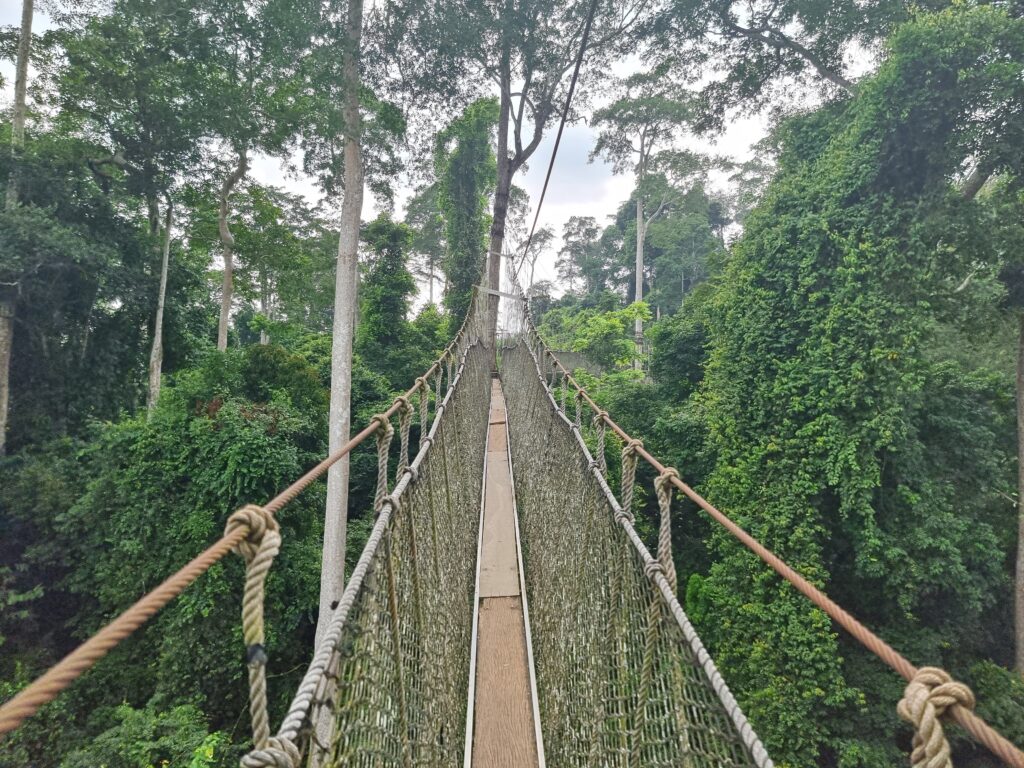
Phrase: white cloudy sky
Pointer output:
(577, 188)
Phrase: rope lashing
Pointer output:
(404, 425)
(928, 695)
(384, 434)
(629, 459)
(663, 487)
(602, 431)
(258, 549)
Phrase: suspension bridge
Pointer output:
(504, 611)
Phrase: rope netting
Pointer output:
(931, 696)
(390, 673)
(622, 677)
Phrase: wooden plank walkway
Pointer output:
(504, 731)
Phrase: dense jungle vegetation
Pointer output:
(831, 330)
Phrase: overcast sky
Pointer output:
(577, 188)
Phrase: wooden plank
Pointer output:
(499, 571)
(503, 725)
(504, 734)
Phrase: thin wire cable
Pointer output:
(561, 125)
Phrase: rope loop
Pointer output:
(405, 412)
(927, 697)
(383, 445)
(601, 427)
(259, 549)
(277, 753)
(629, 459)
(663, 488)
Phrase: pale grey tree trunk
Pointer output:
(501, 195)
(6, 343)
(638, 324)
(332, 572)
(227, 243)
(20, 99)
(156, 355)
(264, 306)
(8, 292)
(1018, 604)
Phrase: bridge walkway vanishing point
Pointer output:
(504, 611)
(503, 730)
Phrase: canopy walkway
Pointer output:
(504, 611)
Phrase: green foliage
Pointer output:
(145, 738)
(465, 167)
(385, 339)
(605, 338)
(836, 435)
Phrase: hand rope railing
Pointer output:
(246, 529)
(930, 692)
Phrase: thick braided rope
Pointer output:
(927, 696)
(578, 399)
(384, 435)
(629, 459)
(259, 548)
(564, 392)
(404, 425)
(602, 432)
(663, 487)
(424, 388)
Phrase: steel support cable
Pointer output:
(50, 684)
(982, 732)
(561, 125)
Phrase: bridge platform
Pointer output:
(503, 710)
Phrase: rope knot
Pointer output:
(384, 421)
(421, 383)
(257, 521)
(630, 448)
(599, 417)
(665, 478)
(926, 699)
(404, 404)
(652, 568)
(622, 515)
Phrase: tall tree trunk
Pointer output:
(227, 243)
(638, 324)
(264, 305)
(332, 573)
(1018, 603)
(156, 355)
(6, 344)
(501, 195)
(8, 293)
(20, 100)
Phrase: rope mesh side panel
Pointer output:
(619, 683)
(404, 652)
(390, 672)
